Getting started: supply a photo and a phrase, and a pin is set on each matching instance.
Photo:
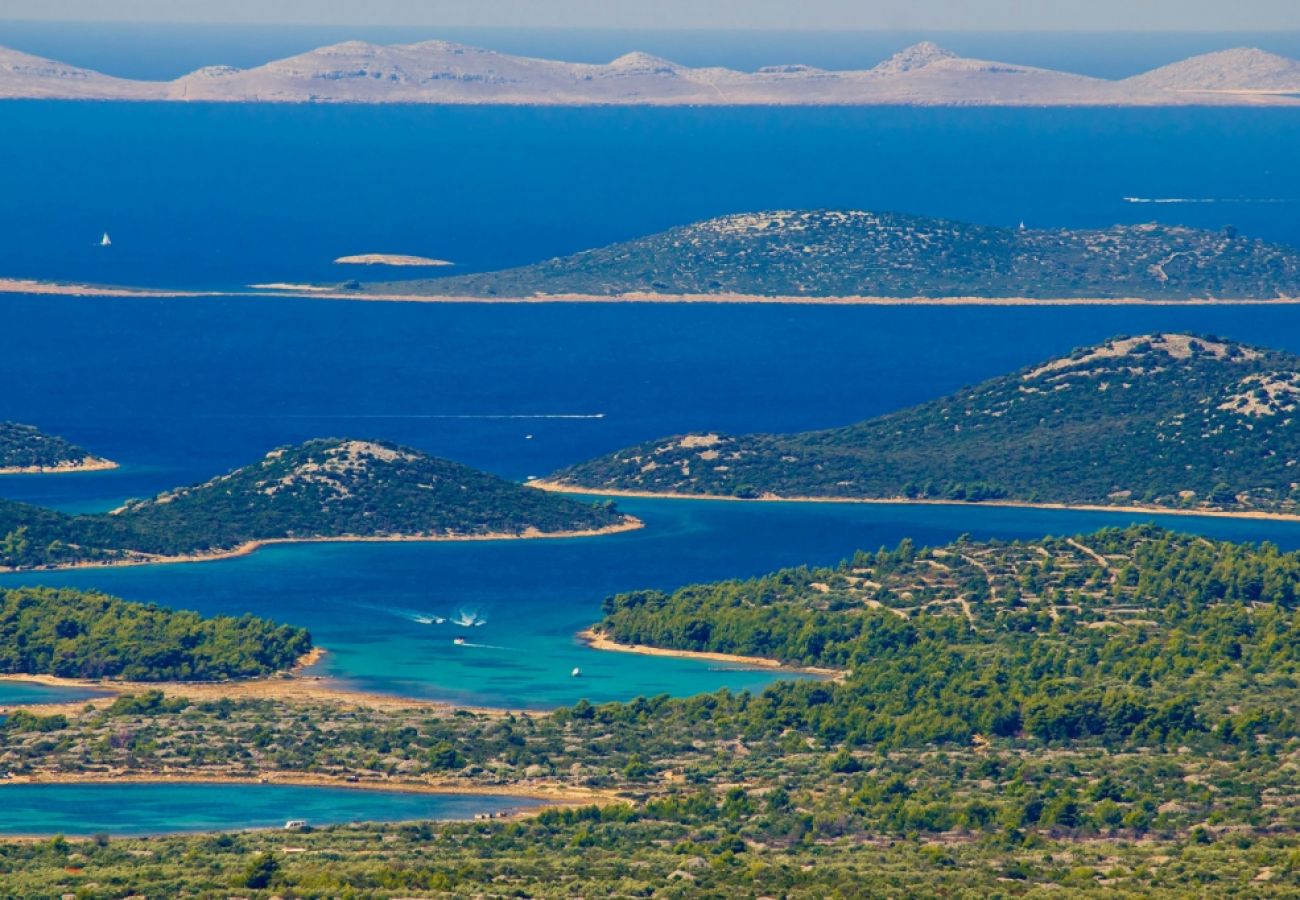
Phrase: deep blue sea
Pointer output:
(178, 390)
(218, 195)
(213, 196)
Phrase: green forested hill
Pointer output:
(1166, 420)
(849, 253)
(1126, 634)
(323, 488)
(73, 634)
(27, 447)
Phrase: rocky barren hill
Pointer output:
(851, 253)
(444, 72)
(1170, 421)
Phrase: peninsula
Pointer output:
(1086, 715)
(1159, 421)
(855, 255)
(327, 489)
(447, 73)
(76, 634)
(27, 449)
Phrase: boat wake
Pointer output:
(1208, 200)
(411, 615)
(468, 618)
(346, 416)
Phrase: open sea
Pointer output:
(219, 196)
(215, 196)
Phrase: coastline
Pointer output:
(288, 686)
(552, 793)
(542, 484)
(597, 640)
(330, 292)
(87, 464)
(629, 523)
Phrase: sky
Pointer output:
(993, 15)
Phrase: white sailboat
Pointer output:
(105, 241)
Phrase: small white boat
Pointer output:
(576, 673)
(105, 241)
(458, 641)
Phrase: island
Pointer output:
(27, 449)
(325, 489)
(389, 259)
(860, 256)
(449, 73)
(1080, 715)
(1161, 422)
(83, 635)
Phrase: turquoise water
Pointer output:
(142, 809)
(370, 604)
(23, 693)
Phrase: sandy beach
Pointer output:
(629, 523)
(294, 684)
(543, 485)
(598, 641)
(88, 464)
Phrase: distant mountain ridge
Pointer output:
(1164, 421)
(450, 73)
(857, 253)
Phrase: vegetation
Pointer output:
(73, 634)
(27, 447)
(829, 253)
(323, 488)
(1136, 636)
(1163, 420)
(1108, 714)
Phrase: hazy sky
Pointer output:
(1163, 15)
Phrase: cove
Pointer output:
(375, 607)
(144, 808)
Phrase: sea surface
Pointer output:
(221, 195)
(218, 196)
(180, 390)
(133, 809)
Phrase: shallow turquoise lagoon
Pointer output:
(22, 693)
(377, 608)
(143, 808)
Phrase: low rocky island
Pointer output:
(389, 259)
(1170, 422)
(27, 449)
(859, 256)
(327, 489)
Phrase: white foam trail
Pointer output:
(1208, 200)
(411, 615)
(414, 416)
